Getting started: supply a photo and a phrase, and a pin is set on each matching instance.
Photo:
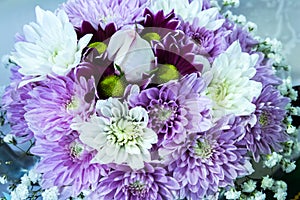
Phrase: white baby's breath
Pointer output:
(50, 46)
(249, 186)
(233, 3)
(50, 194)
(3, 179)
(288, 166)
(230, 85)
(267, 182)
(34, 176)
(25, 180)
(272, 160)
(9, 138)
(20, 193)
(232, 194)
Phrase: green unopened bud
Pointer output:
(151, 36)
(166, 73)
(112, 86)
(99, 46)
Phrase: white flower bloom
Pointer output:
(280, 194)
(249, 186)
(131, 53)
(34, 176)
(188, 11)
(272, 159)
(288, 166)
(3, 179)
(50, 46)
(9, 138)
(233, 3)
(232, 194)
(267, 182)
(25, 180)
(50, 194)
(251, 27)
(229, 84)
(119, 135)
(20, 193)
(258, 195)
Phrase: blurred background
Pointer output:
(275, 19)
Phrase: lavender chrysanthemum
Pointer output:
(66, 163)
(103, 12)
(207, 161)
(176, 108)
(56, 102)
(210, 43)
(151, 182)
(13, 101)
(267, 134)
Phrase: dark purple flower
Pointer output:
(66, 163)
(177, 108)
(56, 102)
(122, 183)
(177, 49)
(266, 131)
(206, 161)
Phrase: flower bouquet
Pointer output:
(160, 99)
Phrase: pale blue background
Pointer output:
(275, 18)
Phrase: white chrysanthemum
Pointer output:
(188, 11)
(50, 46)
(120, 135)
(230, 86)
(50, 194)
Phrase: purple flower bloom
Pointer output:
(246, 41)
(103, 12)
(268, 131)
(210, 43)
(13, 101)
(177, 49)
(66, 163)
(209, 160)
(264, 72)
(56, 102)
(176, 108)
(152, 182)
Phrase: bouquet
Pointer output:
(161, 99)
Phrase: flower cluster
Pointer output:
(161, 99)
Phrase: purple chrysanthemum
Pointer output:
(103, 12)
(14, 99)
(264, 72)
(56, 102)
(268, 132)
(210, 43)
(246, 41)
(209, 160)
(66, 163)
(176, 108)
(152, 182)
(177, 49)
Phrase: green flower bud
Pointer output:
(151, 36)
(112, 86)
(166, 73)
(99, 46)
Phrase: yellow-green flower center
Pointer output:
(166, 72)
(151, 36)
(112, 86)
(203, 149)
